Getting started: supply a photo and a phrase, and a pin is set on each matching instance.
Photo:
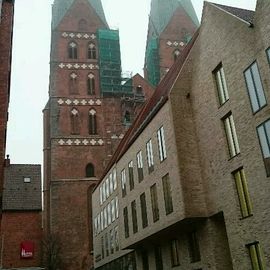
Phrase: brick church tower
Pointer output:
(171, 25)
(90, 108)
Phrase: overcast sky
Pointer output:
(30, 67)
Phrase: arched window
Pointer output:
(74, 119)
(139, 90)
(127, 119)
(72, 50)
(176, 53)
(73, 83)
(82, 25)
(90, 170)
(91, 84)
(92, 51)
(92, 122)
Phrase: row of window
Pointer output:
(139, 159)
(167, 194)
(91, 51)
(74, 84)
(108, 187)
(110, 242)
(75, 121)
(107, 216)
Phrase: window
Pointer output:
(102, 221)
(27, 180)
(92, 122)
(102, 247)
(109, 214)
(107, 184)
(116, 238)
(161, 144)
(243, 194)
(104, 191)
(126, 225)
(256, 256)
(140, 166)
(82, 25)
(264, 137)
(112, 241)
(131, 175)
(145, 262)
(90, 170)
(127, 119)
(91, 85)
(113, 210)
(255, 88)
(221, 84)
(150, 158)
(134, 216)
(114, 179)
(174, 253)
(154, 201)
(105, 218)
(74, 121)
(100, 195)
(139, 90)
(158, 258)
(72, 50)
(116, 207)
(92, 51)
(167, 194)
(194, 249)
(107, 244)
(268, 54)
(73, 83)
(124, 183)
(144, 210)
(176, 53)
(231, 135)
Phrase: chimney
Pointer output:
(7, 161)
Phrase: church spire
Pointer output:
(60, 8)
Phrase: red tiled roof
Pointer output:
(150, 109)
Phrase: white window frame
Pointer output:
(124, 182)
(149, 152)
(107, 188)
(114, 179)
(113, 210)
(111, 183)
(109, 214)
(116, 207)
(100, 195)
(161, 144)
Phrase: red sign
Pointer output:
(27, 249)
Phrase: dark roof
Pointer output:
(151, 108)
(18, 195)
(244, 14)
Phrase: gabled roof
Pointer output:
(243, 14)
(152, 107)
(60, 8)
(163, 10)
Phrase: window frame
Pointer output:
(139, 159)
(154, 202)
(73, 51)
(167, 194)
(124, 183)
(161, 144)
(150, 156)
(126, 222)
(174, 246)
(143, 210)
(134, 217)
(256, 256)
(194, 247)
(131, 175)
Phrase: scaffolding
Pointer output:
(152, 61)
(111, 80)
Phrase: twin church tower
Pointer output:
(91, 105)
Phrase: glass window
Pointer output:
(72, 50)
(90, 170)
(102, 247)
(107, 188)
(124, 183)
(100, 195)
(111, 183)
(221, 84)
(175, 253)
(134, 216)
(74, 119)
(255, 88)
(91, 85)
(106, 236)
(109, 214)
(131, 175)
(104, 191)
(92, 122)
(167, 192)
(140, 166)
(256, 256)
(268, 54)
(154, 201)
(27, 180)
(113, 210)
(112, 241)
(194, 249)
(116, 207)
(126, 225)
(161, 144)
(158, 258)
(102, 221)
(264, 137)
(92, 51)
(73, 83)
(116, 238)
(150, 157)
(114, 179)
(105, 218)
(231, 135)
(243, 194)
(143, 210)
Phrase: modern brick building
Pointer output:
(6, 32)
(171, 26)
(91, 105)
(21, 231)
(188, 186)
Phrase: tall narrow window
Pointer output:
(158, 258)
(194, 249)
(167, 194)
(92, 51)
(91, 84)
(161, 144)
(243, 194)
(90, 170)
(175, 253)
(124, 183)
(75, 126)
(150, 157)
(256, 256)
(231, 135)
(100, 195)
(145, 262)
(82, 26)
(73, 83)
(154, 201)
(255, 88)
(144, 210)
(127, 119)
(114, 179)
(102, 247)
(106, 236)
(113, 210)
(72, 50)
(112, 241)
(116, 207)
(126, 224)
(134, 216)
(131, 175)
(92, 122)
(268, 54)
(221, 84)
(140, 166)
(116, 238)
(264, 137)
(176, 53)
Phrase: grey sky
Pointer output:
(30, 70)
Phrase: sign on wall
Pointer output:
(27, 250)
